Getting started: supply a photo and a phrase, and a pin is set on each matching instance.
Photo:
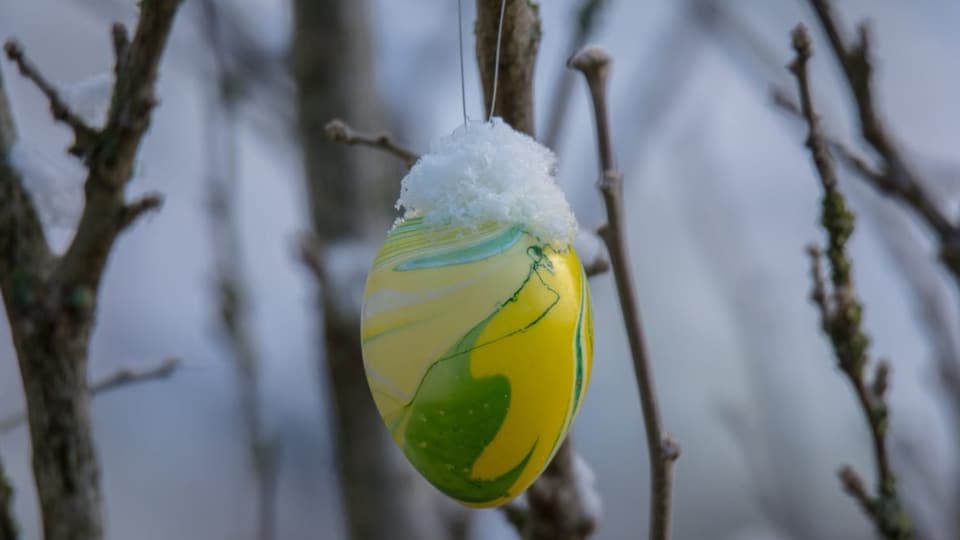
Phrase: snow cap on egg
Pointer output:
(489, 172)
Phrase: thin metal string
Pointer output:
(496, 61)
(463, 85)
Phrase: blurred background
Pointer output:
(721, 198)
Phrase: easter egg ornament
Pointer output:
(476, 324)
(477, 332)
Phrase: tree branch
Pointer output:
(127, 377)
(911, 192)
(85, 136)
(518, 57)
(116, 380)
(594, 64)
(841, 316)
(51, 301)
(140, 207)
(111, 163)
(338, 131)
(897, 179)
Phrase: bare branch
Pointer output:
(127, 377)
(898, 179)
(85, 136)
(118, 379)
(594, 64)
(134, 210)
(111, 165)
(339, 131)
(883, 180)
(518, 56)
(121, 45)
(841, 316)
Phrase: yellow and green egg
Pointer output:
(477, 346)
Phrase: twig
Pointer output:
(85, 136)
(139, 207)
(841, 317)
(8, 524)
(127, 377)
(118, 379)
(663, 450)
(339, 131)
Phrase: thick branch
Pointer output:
(338, 131)
(594, 63)
(518, 57)
(51, 302)
(841, 317)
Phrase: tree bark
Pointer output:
(334, 69)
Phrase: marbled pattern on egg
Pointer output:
(478, 347)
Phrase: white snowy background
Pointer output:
(722, 200)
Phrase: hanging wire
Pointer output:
(463, 85)
(496, 61)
